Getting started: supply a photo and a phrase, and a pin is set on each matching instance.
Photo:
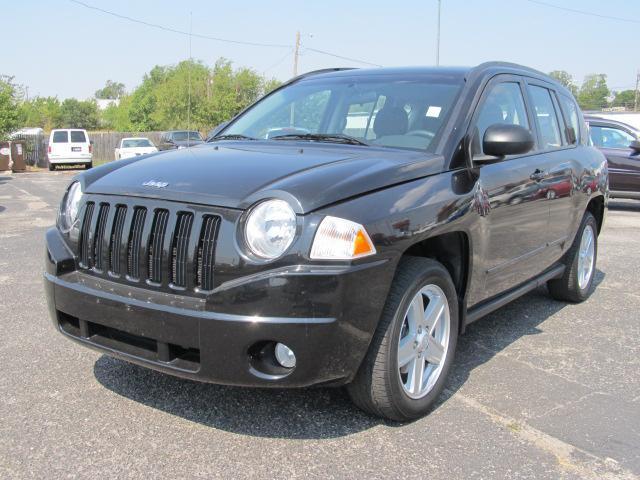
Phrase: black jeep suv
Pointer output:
(343, 230)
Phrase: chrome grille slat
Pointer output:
(206, 253)
(179, 250)
(135, 242)
(85, 237)
(116, 240)
(98, 241)
(156, 240)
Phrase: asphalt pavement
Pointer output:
(540, 389)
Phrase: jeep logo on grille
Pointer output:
(155, 184)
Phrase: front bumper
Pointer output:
(332, 314)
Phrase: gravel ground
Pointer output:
(540, 389)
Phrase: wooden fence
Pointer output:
(105, 143)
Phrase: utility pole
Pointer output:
(189, 81)
(296, 54)
(635, 103)
(438, 35)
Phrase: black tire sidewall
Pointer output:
(409, 407)
(583, 293)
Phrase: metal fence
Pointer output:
(35, 151)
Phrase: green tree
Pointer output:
(564, 78)
(79, 114)
(594, 92)
(626, 98)
(116, 117)
(43, 112)
(9, 117)
(111, 91)
(189, 94)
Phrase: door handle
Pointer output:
(538, 175)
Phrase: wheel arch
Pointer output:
(596, 207)
(453, 251)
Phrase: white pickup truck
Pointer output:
(130, 147)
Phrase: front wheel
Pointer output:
(413, 347)
(576, 284)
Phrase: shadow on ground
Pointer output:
(313, 413)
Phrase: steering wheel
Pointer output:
(421, 133)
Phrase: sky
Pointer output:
(63, 49)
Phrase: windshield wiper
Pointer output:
(231, 136)
(322, 137)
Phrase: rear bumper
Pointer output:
(86, 158)
(331, 324)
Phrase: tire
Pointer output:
(571, 287)
(89, 165)
(52, 167)
(379, 387)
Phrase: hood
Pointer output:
(235, 174)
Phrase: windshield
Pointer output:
(136, 142)
(386, 110)
(182, 136)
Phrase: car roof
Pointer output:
(595, 118)
(135, 138)
(465, 73)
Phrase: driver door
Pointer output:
(516, 223)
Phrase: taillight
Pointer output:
(90, 148)
(49, 148)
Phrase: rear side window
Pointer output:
(572, 119)
(61, 137)
(503, 105)
(78, 136)
(546, 117)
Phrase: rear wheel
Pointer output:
(413, 347)
(88, 165)
(576, 284)
(52, 167)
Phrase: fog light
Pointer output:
(285, 356)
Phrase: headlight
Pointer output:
(270, 229)
(340, 239)
(69, 207)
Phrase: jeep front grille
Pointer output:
(165, 248)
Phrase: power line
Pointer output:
(209, 37)
(583, 12)
(180, 32)
(323, 52)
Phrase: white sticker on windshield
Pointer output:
(434, 111)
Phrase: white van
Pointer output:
(70, 146)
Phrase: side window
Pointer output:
(609, 137)
(546, 117)
(503, 105)
(571, 117)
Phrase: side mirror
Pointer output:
(502, 140)
(91, 142)
(635, 146)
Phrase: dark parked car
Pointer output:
(342, 231)
(179, 139)
(620, 144)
